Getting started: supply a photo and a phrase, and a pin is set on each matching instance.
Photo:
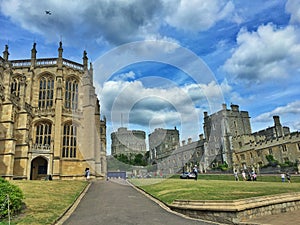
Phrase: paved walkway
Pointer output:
(111, 203)
(118, 203)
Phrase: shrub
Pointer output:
(15, 198)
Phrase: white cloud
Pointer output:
(293, 7)
(267, 53)
(113, 21)
(292, 108)
(199, 15)
(157, 107)
(125, 76)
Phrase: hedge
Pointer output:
(12, 194)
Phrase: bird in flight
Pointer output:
(48, 12)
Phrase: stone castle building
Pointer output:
(49, 119)
(228, 139)
(278, 141)
(162, 143)
(128, 142)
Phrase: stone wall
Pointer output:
(237, 211)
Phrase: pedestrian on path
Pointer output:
(236, 176)
(244, 175)
(288, 177)
(195, 171)
(282, 177)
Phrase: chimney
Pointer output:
(201, 137)
(276, 120)
(224, 106)
(183, 142)
(189, 140)
(234, 108)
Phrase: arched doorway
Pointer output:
(39, 167)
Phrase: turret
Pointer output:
(278, 126)
(6, 53)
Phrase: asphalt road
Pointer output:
(118, 203)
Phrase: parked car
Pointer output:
(187, 175)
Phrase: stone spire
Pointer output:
(33, 54)
(85, 60)
(91, 72)
(6, 53)
(60, 60)
(60, 50)
(33, 51)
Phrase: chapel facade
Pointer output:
(49, 119)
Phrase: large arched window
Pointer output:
(71, 95)
(15, 86)
(69, 141)
(46, 92)
(43, 134)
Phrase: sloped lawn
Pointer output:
(45, 201)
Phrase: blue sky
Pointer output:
(164, 63)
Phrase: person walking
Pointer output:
(244, 175)
(195, 171)
(288, 177)
(87, 173)
(236, 176)
(282, 177)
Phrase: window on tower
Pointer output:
(71, 94)
(69, 141)
(46, 92)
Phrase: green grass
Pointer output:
(45, 201)
(167, 190)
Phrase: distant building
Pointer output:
(128, 142)
(49, 119)
(162, 143)
(219, 129)
(228, 140)
(184, 157)
(251, 150)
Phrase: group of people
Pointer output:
(287, 176)
(252, 176)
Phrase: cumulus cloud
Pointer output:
(291, 108)
(199, 15)
(113, 22)
(268, 53)
(293, 7)
(125, 76)
(157, 107)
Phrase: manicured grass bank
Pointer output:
(167, 190)
(46, 200)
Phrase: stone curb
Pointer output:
(236, 205)
(65, 215)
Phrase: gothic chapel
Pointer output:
(50, 122)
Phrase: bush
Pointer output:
(15, 198)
